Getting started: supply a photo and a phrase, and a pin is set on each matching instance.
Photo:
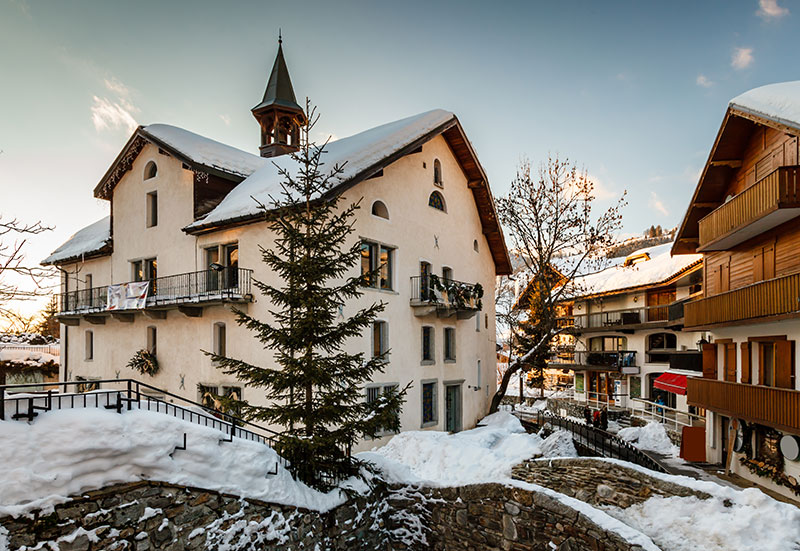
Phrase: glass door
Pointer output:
(453, 408)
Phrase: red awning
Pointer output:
(671, 382)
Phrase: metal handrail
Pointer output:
(651, 411)
(602, 358)
(208, 284)
(598, 440)
(25, 405)
(423, 291)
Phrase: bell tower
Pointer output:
(278, 114)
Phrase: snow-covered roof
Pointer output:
(359, 152)
(91, 239)
(205, 151)
(661, 267)
(779, 102)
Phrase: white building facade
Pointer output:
(185, 219)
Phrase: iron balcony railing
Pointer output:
(611, 360)
(448, 293)
(623, 317)
(191, 287)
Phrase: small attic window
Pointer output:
(636, 258)
(436, 200)
(150, 170)
(437, 173)
(475, 245)
(379, 209)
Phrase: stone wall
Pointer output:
(598, 482)
(147, 516)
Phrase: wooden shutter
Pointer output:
(769, 261)
(746, 362)
(725, 275)
(784, 364)
(730, 362)
(758, 264)
(709, 361)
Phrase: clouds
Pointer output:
(657, 204)
(769, 10)
(742, 58)
(704, 81)
(116, 113)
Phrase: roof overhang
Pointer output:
(464, 153)
(674, 279)
(105, 250)
(124, 162)
(723, 161)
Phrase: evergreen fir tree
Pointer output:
(316, 390)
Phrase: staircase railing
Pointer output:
(126, 394)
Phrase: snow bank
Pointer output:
(661, 266)
(651, 437)
(206, 151)
(27, 357)
(779, 102)
(483, 454)
(90, 239)
(559, 444)
(359, 152)
(71, 451)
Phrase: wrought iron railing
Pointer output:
(203, 285)
(434, 290)
(592, 438)
(622, 317)
(610, 359)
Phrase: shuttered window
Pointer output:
(730, 362)
(709, 361)
(746, 362)
(784, 364)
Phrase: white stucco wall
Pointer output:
(416, 232)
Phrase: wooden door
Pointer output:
(709, 361)
(745, 353)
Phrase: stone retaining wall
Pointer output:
(598, 482)
(147, 516)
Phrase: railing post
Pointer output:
(130, 396)
(2, 403)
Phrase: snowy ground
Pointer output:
(731, 520)
(651, 437)
(484, 454)
(67, 452)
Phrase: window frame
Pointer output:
(434, 406)
(151, 209)
(376, 203)
(381, 388)
(449, 338)
(438, 178)
(146, 171)
(88, 345)
(431, 360)
(219, 338)
(384, 339)
(441, 196)
(376, 250)
(151, 346)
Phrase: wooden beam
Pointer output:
(71, 322)
(732, 163)
(123, 317)
(473, 184)
(705, 205)
(95, 320)
(156, 314)
(191, 311)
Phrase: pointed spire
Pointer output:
(279, 90)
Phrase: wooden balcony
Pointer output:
(774, 407)
(765, 299)
(623, 361)
(768, 203)
(625, 320)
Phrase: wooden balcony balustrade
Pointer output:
(774, 407)
(768, 203)
(773, 297)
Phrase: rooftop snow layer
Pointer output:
(661, 266)
(359, 152)
(779, 102)
(206, 151)
(86, 241)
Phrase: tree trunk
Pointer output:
(501, 391)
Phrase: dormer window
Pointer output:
(437, 173)
(636, 258)
(150, 170)
(436, 200)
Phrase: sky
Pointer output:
(632, 91)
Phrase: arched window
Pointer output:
(150, 170)
(379, 209)
(475, 245)
(658, 345)
(437, 173)
(436, 200)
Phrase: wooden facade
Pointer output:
(775, 407)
